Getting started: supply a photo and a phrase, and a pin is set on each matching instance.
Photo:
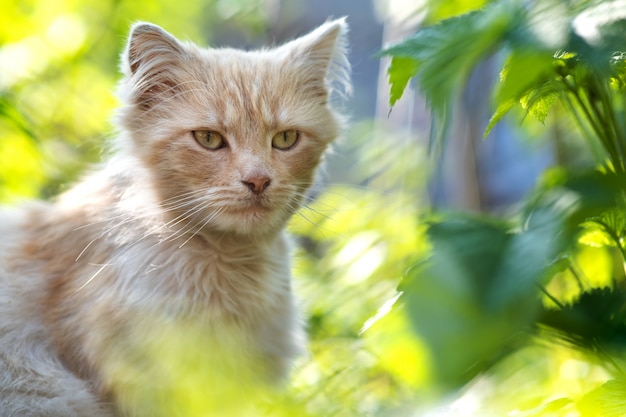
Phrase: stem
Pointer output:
(579, 280)
(551, 297)
(602, 353)
(598, 153)
(596, 126)
(609, 122)
(613, 236)
(622, 94)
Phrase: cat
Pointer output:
(169, 264)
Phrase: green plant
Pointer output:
(496, 287)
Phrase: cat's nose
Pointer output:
(257, 184)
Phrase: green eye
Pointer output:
(285, 140)
(209, 139)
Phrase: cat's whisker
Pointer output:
(298, 209)
(91, 242)
(167, 205)
(195, 205)
(319, 213)
(181, 197)
(170, 204)
(103, 233)
(92, 277)
(205, 204)
(199, 229)
(321, 227)
(210, 197)
(109, 229)
(186, 216)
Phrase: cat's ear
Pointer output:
(148, 44)
(322, 57)
(150, 60)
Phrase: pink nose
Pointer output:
(256, 184)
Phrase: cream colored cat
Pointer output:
(169, 265)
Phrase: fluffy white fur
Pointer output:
(166, 261)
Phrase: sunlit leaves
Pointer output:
(607, 229)
(362, 256)
(572, 237)
(438, 10)
(356, 242)
(411, 362)
(608, 400)
(355, 246)
(10, 115)
(521, 74)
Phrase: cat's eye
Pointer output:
(285, 140)
(209, 139)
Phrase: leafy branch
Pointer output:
(577, 63)
(486, 281)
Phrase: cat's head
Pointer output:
(232, 138)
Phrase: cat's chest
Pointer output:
(238, 281)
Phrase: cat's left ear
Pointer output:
(322, 57)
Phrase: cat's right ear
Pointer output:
(150, 63)
(148, 45)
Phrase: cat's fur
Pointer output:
(171, 252)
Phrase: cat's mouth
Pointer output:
(251, 206)
(248, 216)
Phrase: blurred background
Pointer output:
(58, 69)
(58, 72)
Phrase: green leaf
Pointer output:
(581, 197)
(607, 229)
(526, 260)
(523, 71)
(400, 71)
(539, 102)
(445, 54)
(596, 321)
(439, 10)
(478, 290)
(501, 111)
(608, 400)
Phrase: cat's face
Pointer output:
(232, 138)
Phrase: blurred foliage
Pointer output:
(547, 286)
(478, 289)
(553, 51)
(357, 240)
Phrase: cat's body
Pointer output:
(175, 248)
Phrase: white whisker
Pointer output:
(92, 277)
(208, 220)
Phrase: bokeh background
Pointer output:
(58, 73)
(59, 66)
